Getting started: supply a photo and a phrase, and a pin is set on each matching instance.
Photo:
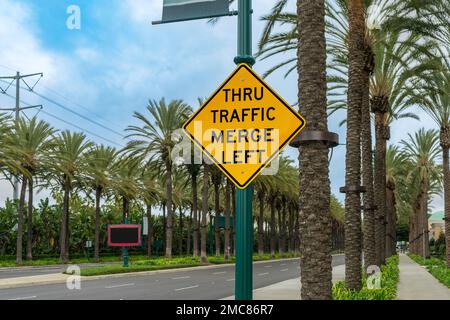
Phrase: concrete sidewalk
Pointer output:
(289, 289)
(416, 283)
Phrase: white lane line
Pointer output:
(267, 266)
(186, 288)
(120, 285)
(23, 298)
(230, 279)
(177, 278)
(282, 264)
(221, 272)
(284, 270)
(262, 274)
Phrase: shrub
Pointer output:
(388, 290)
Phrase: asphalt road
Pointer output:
(199, 284)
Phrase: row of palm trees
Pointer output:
(378, 56)
(144, 171)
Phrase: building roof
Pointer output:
(437, 216)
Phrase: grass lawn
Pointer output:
(436, 266)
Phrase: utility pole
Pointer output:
(17, 109)
(244, 197)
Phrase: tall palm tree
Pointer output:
(68, 162)
(432, 94)
(153, 139)
(353, 147)
(422, 149)
(315, 190)
(100, 165)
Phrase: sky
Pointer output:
(117, 60)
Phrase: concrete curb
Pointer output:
(27, 282)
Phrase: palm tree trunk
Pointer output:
(169, 222)
(217, 216)
(390, 226)
(188, 240)
(180, 240)
(204, 258)
(227, 220)
(353, 153)
(150, 230)
(272, 228)
(194, 210)
(261, 224)
(98, 193)
(446, 170)
(291, 240)
(63, 243)
(424, 225)
(20, 212)
(283, 230)
(296, 233)
(280, 230)
(367, 176)
(315, 191)
(30, 220)
(379, 184)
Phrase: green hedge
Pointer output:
(435, 266)
(388, 290)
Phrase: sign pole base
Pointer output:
(244, 244)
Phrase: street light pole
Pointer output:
(244, 197)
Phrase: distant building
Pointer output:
(436, 224)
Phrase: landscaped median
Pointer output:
(388, 291)
(435, 266)
(163, 263)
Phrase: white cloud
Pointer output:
(143, 11)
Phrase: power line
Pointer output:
(60, 105)
(72, 124)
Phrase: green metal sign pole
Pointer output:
(244, 197)
(125, 249)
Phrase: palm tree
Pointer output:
(67, 164)
(432, 94)
(314, 173)
(154, 140)
(353, 156)
(100, 164)
(422, 150)
(126, 185)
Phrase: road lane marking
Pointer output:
(284, 269)
(263, 274)
(177, 278)
(186, 288)
(267, 266)
(282, 264)
(120, 285)
(220, 272)
(23, 298)
(231, 279)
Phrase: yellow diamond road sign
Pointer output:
(243, 126)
